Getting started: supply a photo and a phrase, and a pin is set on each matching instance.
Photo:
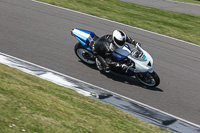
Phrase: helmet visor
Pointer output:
(121, 43)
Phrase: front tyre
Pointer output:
(148, 79)
(83, 54)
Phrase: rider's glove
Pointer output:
(134, 42)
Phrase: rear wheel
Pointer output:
(148, 79)
(83, 54)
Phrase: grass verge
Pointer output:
(178, 25)
(34, 105)
(190, 1)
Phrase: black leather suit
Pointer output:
(103, 47)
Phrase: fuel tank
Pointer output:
(121, 53)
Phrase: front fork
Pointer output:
(150, 71)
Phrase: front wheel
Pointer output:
(83, 54)
(148, 79)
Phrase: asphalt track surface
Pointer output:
(40, 34)
(169, 5)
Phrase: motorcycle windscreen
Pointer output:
(121, 53)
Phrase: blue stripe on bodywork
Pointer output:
(81, 41)
(118, 56)
(144, 57)
(84, 40)
(81, 36)
(126, 45)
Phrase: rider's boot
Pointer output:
(105, 66)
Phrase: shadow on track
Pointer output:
(124, 79)
(129, 80)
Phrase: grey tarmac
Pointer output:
(40, 34)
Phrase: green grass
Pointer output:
(39, 106)
(190, 1)
(177, 25)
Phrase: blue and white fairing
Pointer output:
(142, 60)
(121, 53)
(83, 36)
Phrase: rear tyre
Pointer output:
(148, 79)
(82, 53)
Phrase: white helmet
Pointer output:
(119, 38)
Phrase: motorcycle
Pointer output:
(139, 61)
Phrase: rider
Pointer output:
(105, 45)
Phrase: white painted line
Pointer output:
(116, 94)
(47, 75)
(115, 22)
(52, 77)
